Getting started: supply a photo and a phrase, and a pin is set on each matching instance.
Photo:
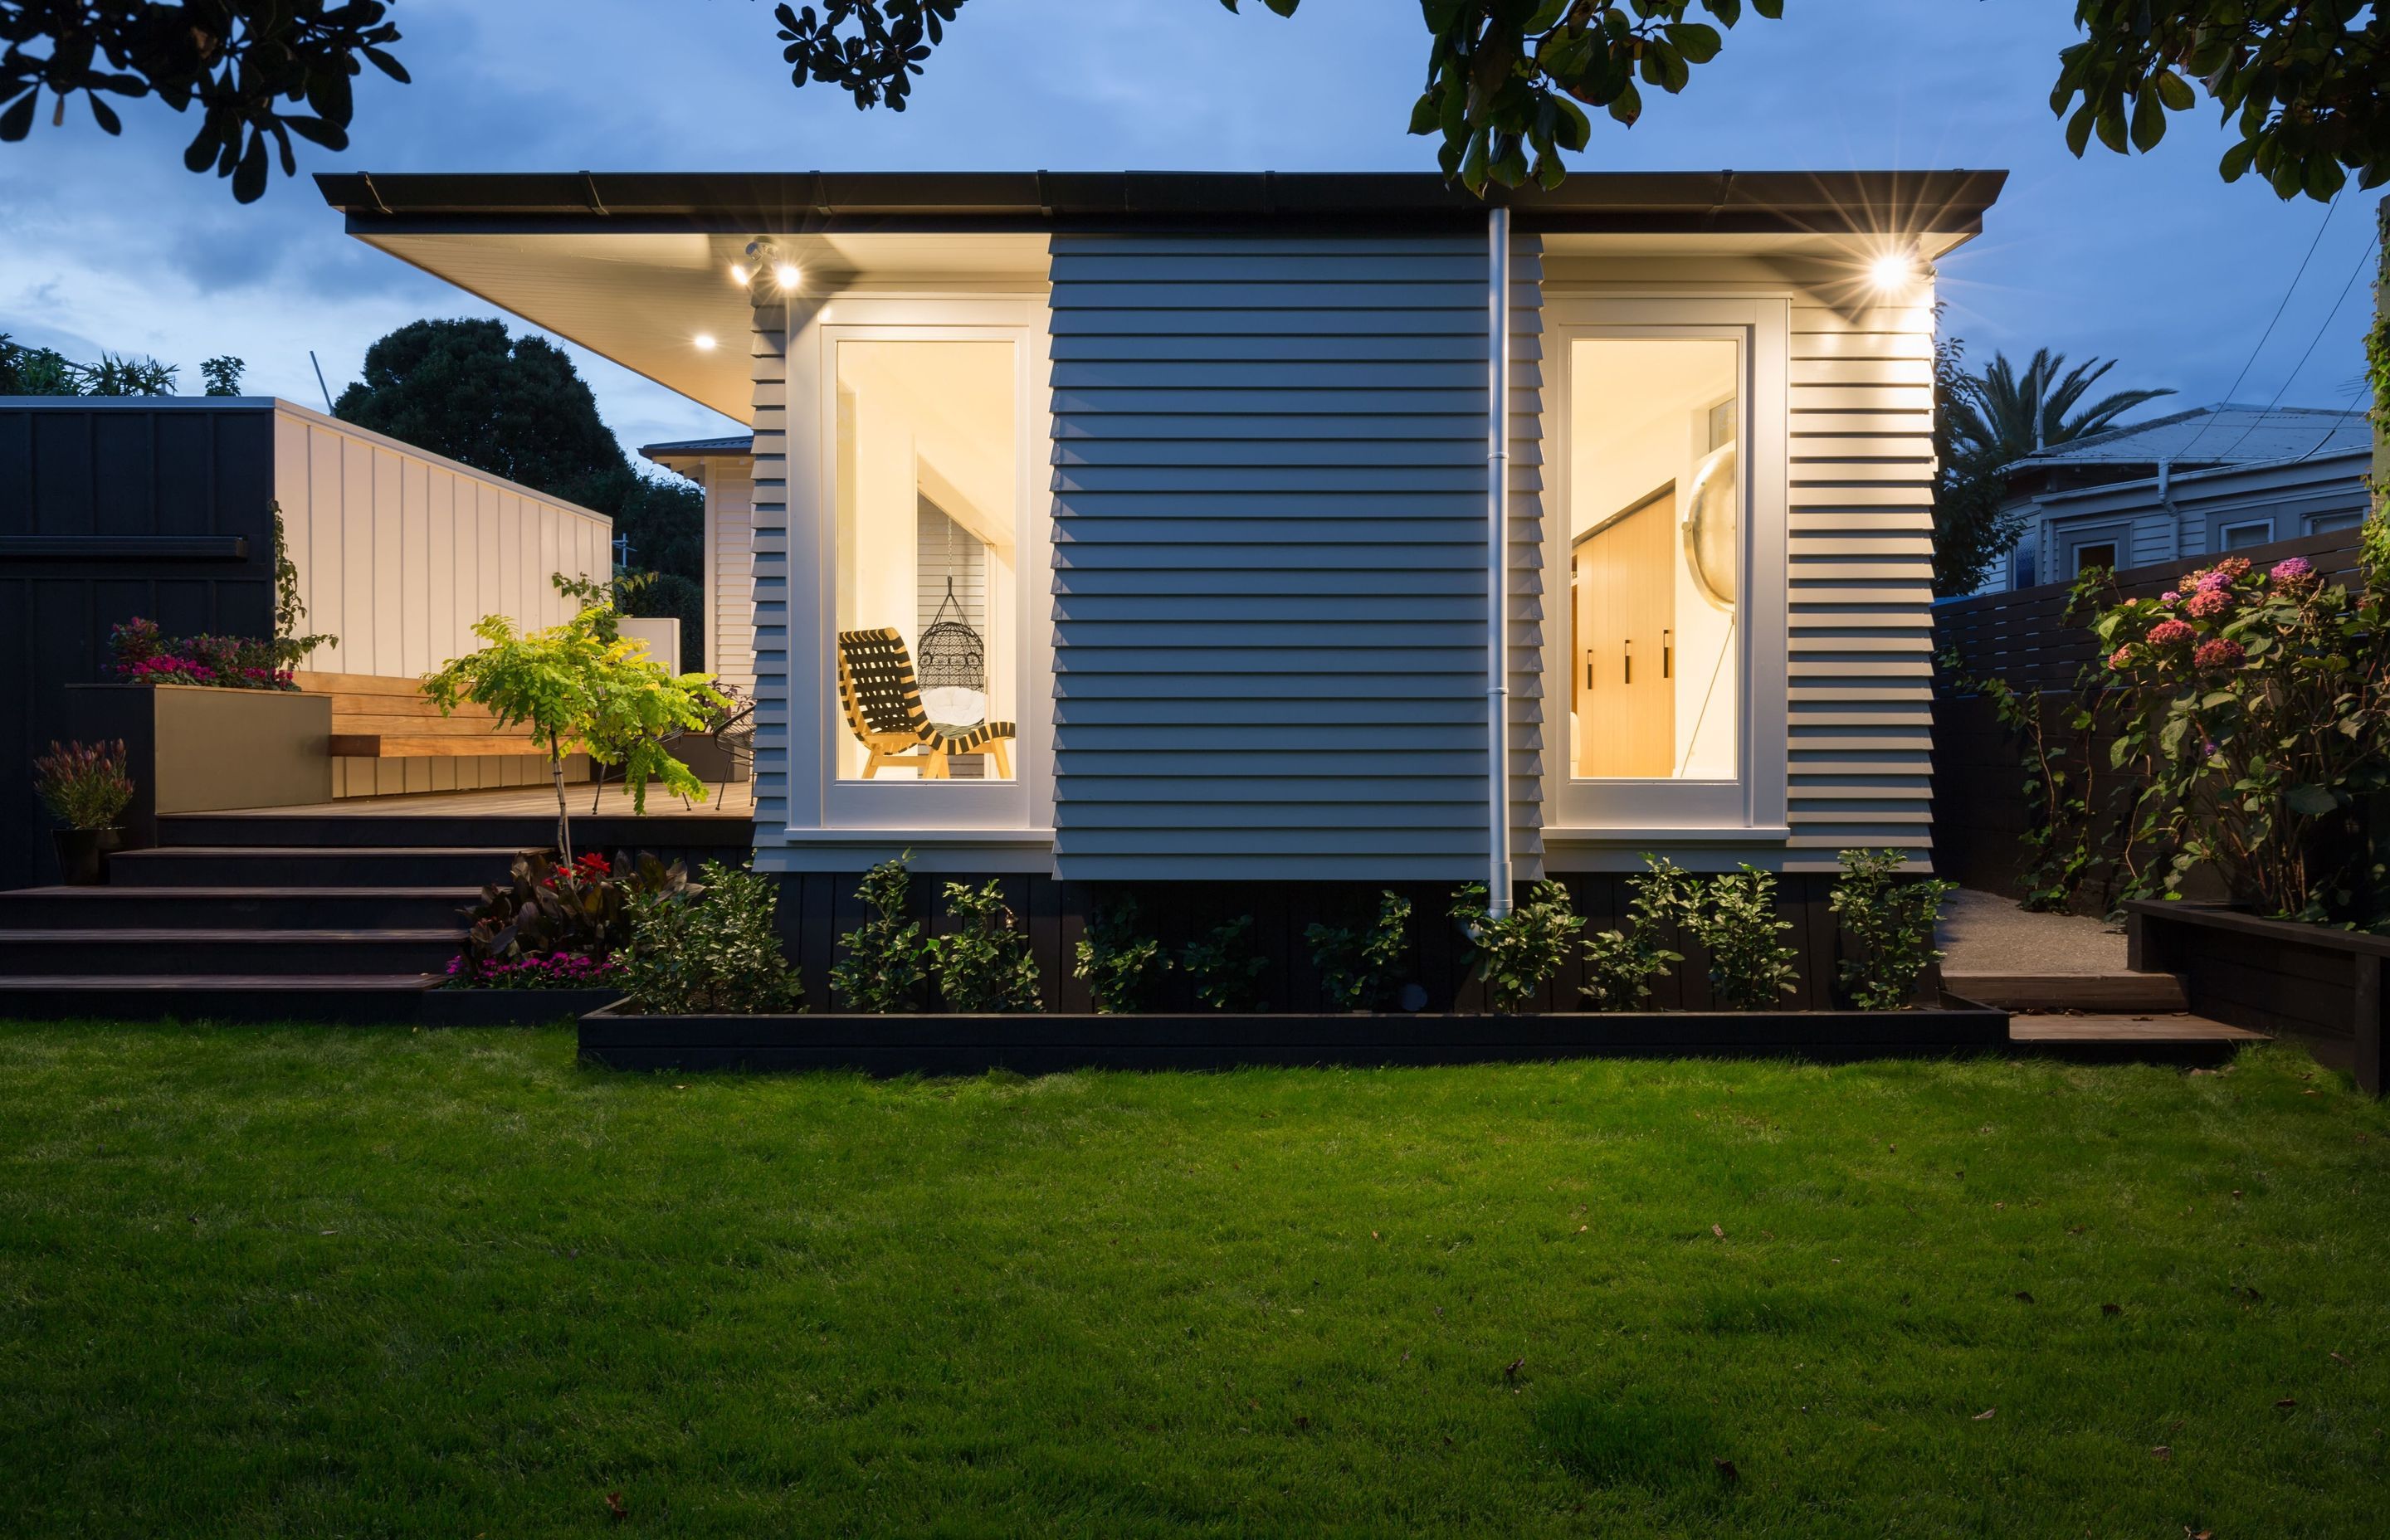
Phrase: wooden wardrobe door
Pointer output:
(1624, 584)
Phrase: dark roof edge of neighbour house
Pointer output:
(1867, 202)
(691, 449)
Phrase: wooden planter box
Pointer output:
(1044, 1043)
(511, 1007)
(197, 749)
(2322, 987)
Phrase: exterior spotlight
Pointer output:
(739, 276)
(704, 341)
(1891, 271)
(788, 275)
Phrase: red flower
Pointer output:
(2208, 603)
(2171, 632)
(2218, 652)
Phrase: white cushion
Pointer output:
(952, 706)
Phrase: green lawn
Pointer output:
(381, 1283)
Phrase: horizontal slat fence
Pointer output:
(2024, 637)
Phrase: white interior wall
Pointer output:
(1639, 412)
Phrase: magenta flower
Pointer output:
(2214, 581)
(2292, 571)
(2171, 632)
(2169, 597)
(2209, 603)
(2218, 652)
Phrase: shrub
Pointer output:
(1114, 958)
(1224, 968)
(144, 656)
(1734, 919)
(1357, 967)
(719, 953)
(1620, 964)
(1517, 954)
(546, 908)
(984, 964)
(886, 961)
(1889, 925)
(2253, 704)
(84, 785)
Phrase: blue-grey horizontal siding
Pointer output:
(1269, 547)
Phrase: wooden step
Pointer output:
(124, 951)
(305, 867)
(2128, 1037)
(314, 999)
(2092, 992)
(218, 908)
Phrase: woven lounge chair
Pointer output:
(883, 708)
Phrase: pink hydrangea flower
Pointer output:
(2169, 597)
(2233, 568)
(2214, 581)
(2171, 632)
(2292, 571)
(2208, 603)
(2218, 652)
(2123, 658)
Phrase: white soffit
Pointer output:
(644, 299)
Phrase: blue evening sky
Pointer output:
(109, 244)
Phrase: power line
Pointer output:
(2245, 367)
(2330, 317)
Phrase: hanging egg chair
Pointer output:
(951, 663)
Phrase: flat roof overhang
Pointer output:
(633, 265)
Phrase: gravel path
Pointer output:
(1985, 933)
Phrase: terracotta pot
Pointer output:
(80, 849)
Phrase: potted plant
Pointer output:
(86, 789)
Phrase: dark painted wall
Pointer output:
(111, 509)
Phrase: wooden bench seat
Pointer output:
(374, 717)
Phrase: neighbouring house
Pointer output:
(1112, 526)
(164, 508)
(2211, 480)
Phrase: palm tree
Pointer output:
(2000, 415)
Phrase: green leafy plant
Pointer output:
(886, 959)
(1224, 968)
(1515, 955)
(579, 691)
(984, 964)
(577, 908)
(1734, 919)
(222, 374)
(1889, 926)
(1357, 968)
(84, 785)
(1621, 964)
(2253, 710)
(717, 954)
(1116, 959)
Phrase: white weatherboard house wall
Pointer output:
(1220, 450)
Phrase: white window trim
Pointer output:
(817, 799)
(1754, 801)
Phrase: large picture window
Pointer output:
(925, 484)
(1667, 576)
(1655, 558)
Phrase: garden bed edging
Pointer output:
(2280, 976)
(1040, 1043)
(511, 1008)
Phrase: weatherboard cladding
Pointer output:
(1269, 534)
(1859, 606)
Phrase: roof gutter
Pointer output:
(1497, 561)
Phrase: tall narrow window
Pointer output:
(1655, 526)
(927, 478)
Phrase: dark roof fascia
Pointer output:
(645, 202)
(731, 445)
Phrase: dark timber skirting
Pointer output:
(817, 908)
(2322, 987)
(1038, 1045)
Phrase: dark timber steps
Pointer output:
(276, 908)
(340, 865)
(255, 920)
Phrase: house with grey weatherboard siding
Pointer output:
(2205, 482)
(1253, 527)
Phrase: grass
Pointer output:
(361, 1282)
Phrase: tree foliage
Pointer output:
(1507, 81)
(47, 372)
(258, 71)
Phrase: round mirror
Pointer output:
(1714, 526)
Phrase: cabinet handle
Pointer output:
(1627, 649)
(1667, 655)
